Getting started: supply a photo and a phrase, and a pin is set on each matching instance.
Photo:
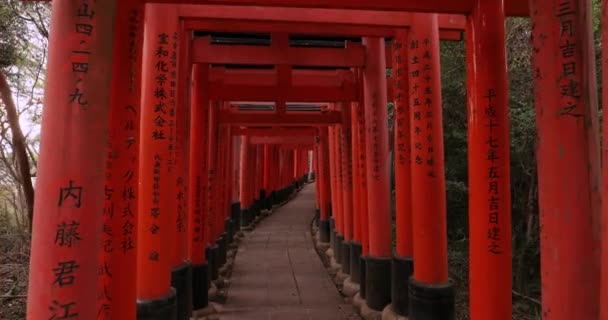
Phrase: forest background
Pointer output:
(23, 51)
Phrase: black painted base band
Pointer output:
(324, 232)
(332, 234)
(338, 250)
(271, 200)
(181, 280)
(431, 301)
(164, 308)
(355, 262)
(229, 230)
(235, 213)
(222, 249)
(401, 271)
(245, 217)
(362, 271)
(333, 241)
(200, 286)
(346, 257)
(211, 254)
(251, 211)
(378, 282)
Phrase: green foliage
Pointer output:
(10, 26)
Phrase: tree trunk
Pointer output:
(20, 147)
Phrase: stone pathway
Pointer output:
(277, 273)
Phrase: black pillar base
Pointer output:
(255, 209)
(332, 232)
(362, 271)
(355, 262)
(338, 249)
(401, 271)
(245, 217)
(235, 213)
(212, 257)
(181, 280)
(222, 248)
(164, 308)
(229, 230)
(324, 231)
(346, 257)
(271, 200)
(200, 286)
(263, 199)
(431, 301)
(378, 282)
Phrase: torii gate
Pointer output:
(75, 121)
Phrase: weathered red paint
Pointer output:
(179, 146)
(356, 178)
(204, 52)
(212, 176)
(513, 7)
(244, 172)
(376, 124)
(156, 166)
(428, 171)
(290, 119)
(70, 183)
(604, 152)
(489, 159)
(402, 150)
(198, 163)
(347, 172)
(324, 174)
(119, 237)
(568, 158)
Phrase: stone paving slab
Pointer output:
(277, 273)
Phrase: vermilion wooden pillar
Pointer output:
(317, 184)
(568, 158)
(347, 186)
(336, 195)
(378, 264)
(259, 182)
(221, 193)
(117, 285)
(402, 264)
(212, 249)
(295, 164)
(156, 299)
(70, 183)
(362, 171)
(228, 228)
(279, 161)
(604, 257)
(355, 251)
(489, 162)
(323, 180)
(431, 294)
(236, 178)
(197, 200)
(179, 125)
(267, 172)
(245, 176)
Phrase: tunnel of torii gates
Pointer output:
(169, 126)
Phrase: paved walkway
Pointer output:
(277, 273)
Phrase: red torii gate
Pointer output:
(81, 115)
